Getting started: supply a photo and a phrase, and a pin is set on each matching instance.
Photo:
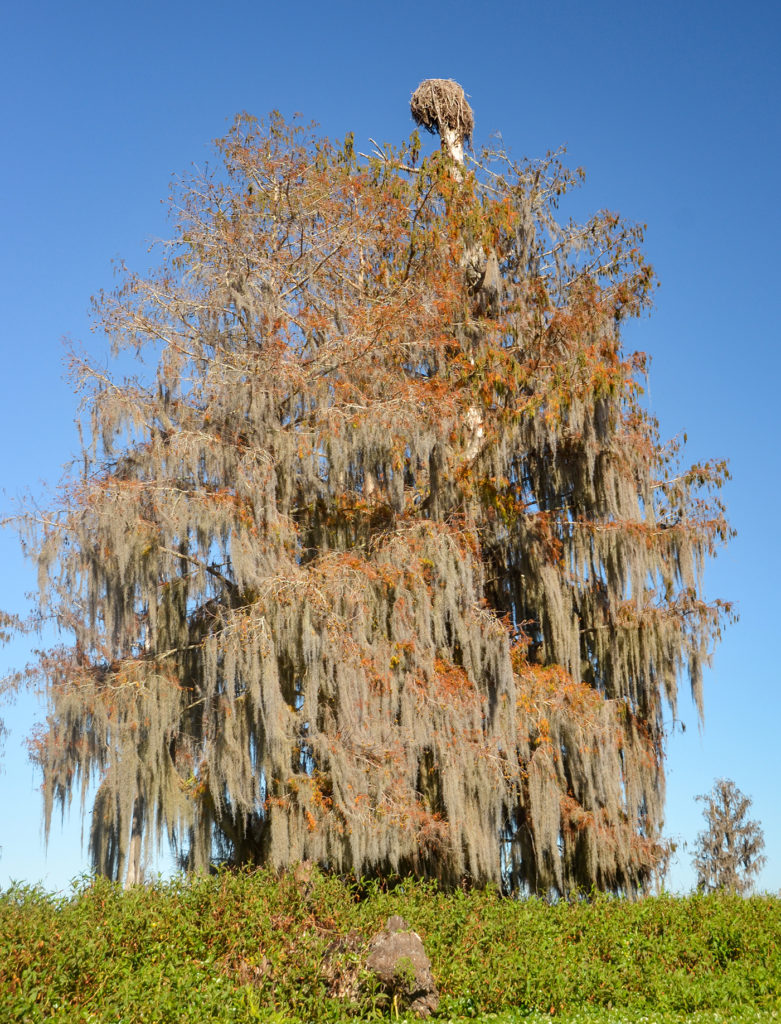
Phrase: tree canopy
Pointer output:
(382, 564)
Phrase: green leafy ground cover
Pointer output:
(254, 947)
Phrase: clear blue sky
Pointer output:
(672, 108)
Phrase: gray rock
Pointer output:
(398, 960)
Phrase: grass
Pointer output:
(254, 947)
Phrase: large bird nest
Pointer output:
(440, 103)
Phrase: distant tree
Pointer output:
(728, 853)
(386, 567)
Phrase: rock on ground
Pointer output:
(398, 959)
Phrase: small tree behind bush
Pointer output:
(728, 853)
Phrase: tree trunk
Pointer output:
(135, 872)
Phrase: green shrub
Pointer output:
(243, 947)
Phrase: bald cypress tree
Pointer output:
(728, 852)
(385, 566)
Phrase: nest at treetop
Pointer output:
(440, 103)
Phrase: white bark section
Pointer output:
(135, 872)
(452, 143)
(475, 432)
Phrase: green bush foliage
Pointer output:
(243, 947)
